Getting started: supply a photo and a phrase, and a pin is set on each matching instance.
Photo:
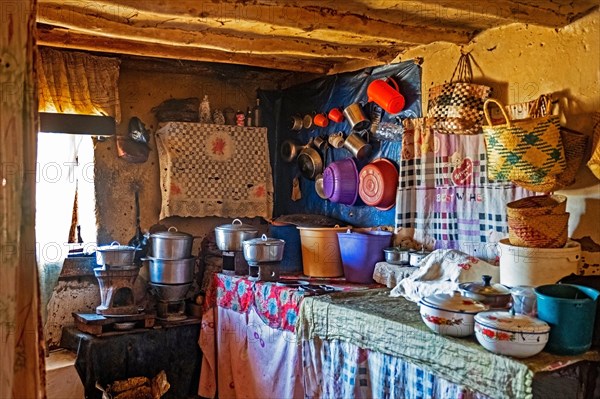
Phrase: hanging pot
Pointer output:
(310, 162)
(296, 123)
(307, 121)
(290, 149)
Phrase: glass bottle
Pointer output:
(257, 113)
(249, 117)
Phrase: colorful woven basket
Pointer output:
(541, 231)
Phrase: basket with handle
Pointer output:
(574, 144)
(457, 107)
(529, 150)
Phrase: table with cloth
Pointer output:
(368, 344)
(260, 339)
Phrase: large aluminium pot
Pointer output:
(172, 244)
(164, 271)
(264, 249)
(230, 237)
(115, 254)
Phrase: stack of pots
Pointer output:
(537, 250)
(171, 265)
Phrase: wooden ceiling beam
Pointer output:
(319, 20)
(62, 38)
(72, 17)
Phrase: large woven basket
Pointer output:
(537, 205)
(541, 231)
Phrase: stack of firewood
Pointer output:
(137, 388)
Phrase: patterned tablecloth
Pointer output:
(375, 321)
(214, 170)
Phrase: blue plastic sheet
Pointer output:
(321, 95)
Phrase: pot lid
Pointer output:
(454, 302)
(485, 287)
(264, 240)
(115, 246)
(237, 225)
(511, 322)
(172, 232)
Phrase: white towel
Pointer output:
(441, 272)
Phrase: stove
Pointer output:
(116, 290)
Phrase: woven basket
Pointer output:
(542, 231)
(538, 205)
(574, 144)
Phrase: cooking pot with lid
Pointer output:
(230, 237)
(115, 254)
(263, 249)
(171, 244)
(496, 296)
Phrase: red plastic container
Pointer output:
(378, 183)
(387, 97)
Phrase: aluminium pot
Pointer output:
(230, 237)
(172, 244)
(396, 256)
(164, 271)
(169, 293)
(415, 257)
(115, 254)
(263, 249)
(496, 296)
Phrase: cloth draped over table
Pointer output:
(375, 321)
(78, 83)
(445, 200)
(214, 170)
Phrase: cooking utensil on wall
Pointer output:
(321, 120)
(386, 94)
(340, 182)
(356, 117)
(378, 183)
(296, 123)
(307, 121)
(310, 162)
(336, 115)
(336, 140)
(290, 149)
(357, 146)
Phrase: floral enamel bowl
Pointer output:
(450, 314)
(512, 335)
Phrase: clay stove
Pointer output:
(116, 290)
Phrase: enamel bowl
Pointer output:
(450, 314)
(515, 335)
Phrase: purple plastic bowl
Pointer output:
(340, 182)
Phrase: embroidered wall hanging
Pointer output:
(214, 170)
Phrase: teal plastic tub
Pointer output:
(570, 310)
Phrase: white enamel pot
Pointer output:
(450, 314)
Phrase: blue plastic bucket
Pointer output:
(570, 310)
(360, 252)
(292, 253)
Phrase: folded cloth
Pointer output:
(441, 272)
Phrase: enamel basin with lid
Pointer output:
(511, 334)
(450, 314)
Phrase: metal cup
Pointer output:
(356, 117)
(336, 140)
(296, 123)
(357, 146)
